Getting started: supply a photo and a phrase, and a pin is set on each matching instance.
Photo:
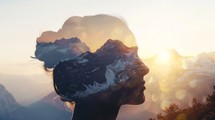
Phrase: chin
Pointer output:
(141, 97)
(138, 99)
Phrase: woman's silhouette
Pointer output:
(99, 83)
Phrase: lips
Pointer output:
(144, 87)
(142, 84)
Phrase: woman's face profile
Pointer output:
(134, 92)
(133, 88)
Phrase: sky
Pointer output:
(185, 25)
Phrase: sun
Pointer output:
(163, 57)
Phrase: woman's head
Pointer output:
(113, 72)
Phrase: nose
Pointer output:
(145, 69)
(142, 67)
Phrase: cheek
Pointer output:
(135, 82)
(136, 92)
(135, 97)
(139, 91)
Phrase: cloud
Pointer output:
(92, 30)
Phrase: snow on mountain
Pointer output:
(178, 79)
(60, 50)
(203, 64)
(112, 63)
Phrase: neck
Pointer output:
(95, 111)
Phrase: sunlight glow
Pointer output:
(163, 58)
(214, 58)
(184, 64)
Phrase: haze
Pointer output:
(185, 25)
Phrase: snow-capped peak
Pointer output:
(112, 45)
(91, 73)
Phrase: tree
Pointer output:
(199, 111)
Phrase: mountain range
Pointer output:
(178, 79)
(173, 78)
(40, 110)
(60, 50)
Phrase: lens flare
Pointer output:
(192, 83)
(180, 94)
(154, 98)
(165, 104)
(164, 86)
